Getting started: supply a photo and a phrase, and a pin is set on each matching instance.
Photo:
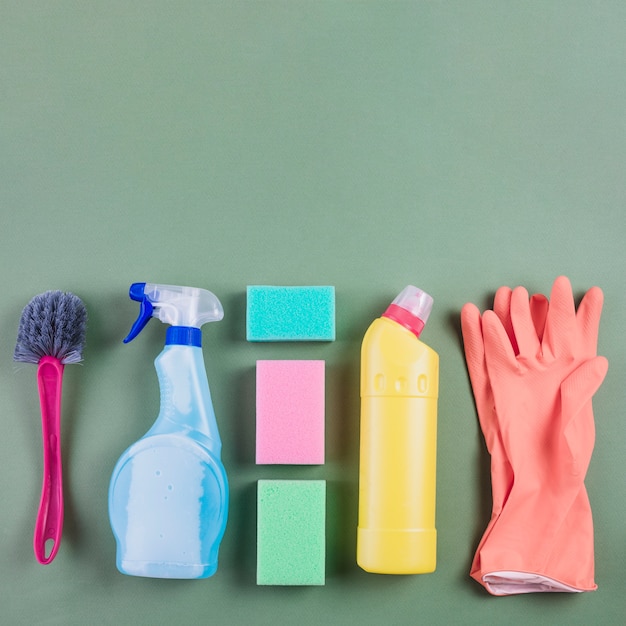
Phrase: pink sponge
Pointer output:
(290, 412)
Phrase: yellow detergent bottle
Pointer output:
(399, 386)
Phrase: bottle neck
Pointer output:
(186, 405)
(403, 317)
(183, 336)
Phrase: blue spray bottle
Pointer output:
(168, 497)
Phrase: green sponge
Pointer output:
(291, 537)
(290, 313)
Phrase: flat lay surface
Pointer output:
(456, 146)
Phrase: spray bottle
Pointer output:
(168, 496)
(399, 387)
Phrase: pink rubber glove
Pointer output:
(501, 471)
(542, 538)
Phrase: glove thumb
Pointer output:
(577, 390)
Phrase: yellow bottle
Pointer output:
(398, 448)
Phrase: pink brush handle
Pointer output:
(50, 515)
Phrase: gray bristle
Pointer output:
(52, 324)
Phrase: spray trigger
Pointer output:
(137, 293)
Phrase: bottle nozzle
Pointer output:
(178, 306)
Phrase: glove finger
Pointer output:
(588, 319)
(539, 311)
(523, 324)
(502, 308)
(471, 328)
(559, 336)
(499, 351)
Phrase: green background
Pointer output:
(458, 146)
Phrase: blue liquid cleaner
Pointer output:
(168, 497)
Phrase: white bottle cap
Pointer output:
(411, 309)
(415, 301)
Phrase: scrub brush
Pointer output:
(51, 333)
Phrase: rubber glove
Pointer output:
(501, 471)
(541, 386)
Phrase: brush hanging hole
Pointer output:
(48, 548)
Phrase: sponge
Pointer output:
(290, 412)
(290, 313)
(291, 537)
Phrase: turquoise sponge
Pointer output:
(290, 313)
(291, 537)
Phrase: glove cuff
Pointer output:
(505, 583)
